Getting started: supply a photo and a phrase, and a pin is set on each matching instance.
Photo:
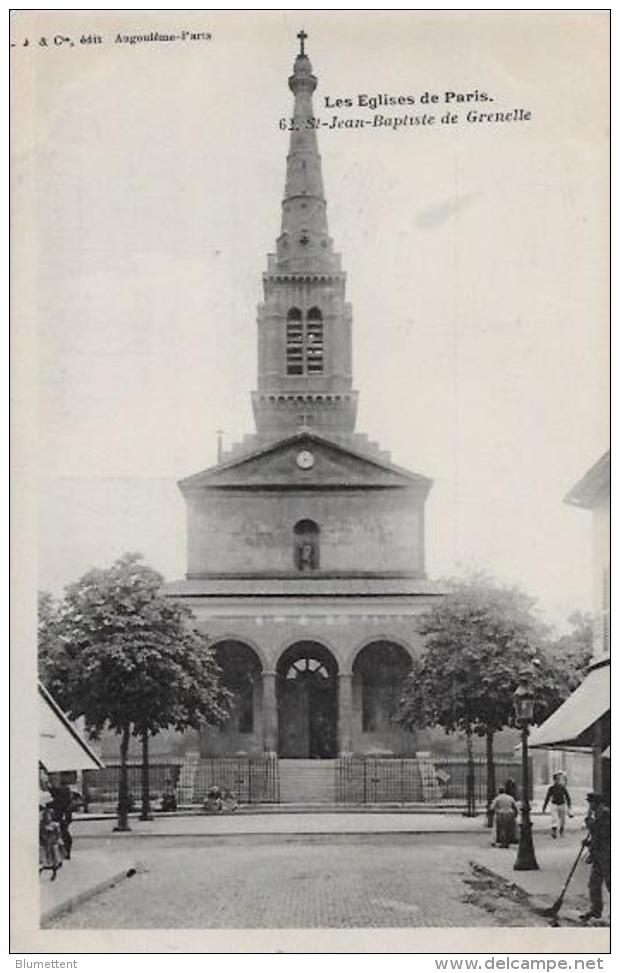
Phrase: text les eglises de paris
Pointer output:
(424, 98)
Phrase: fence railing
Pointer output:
(250, 780)
(437, 780)
(432, 780)
(101, 786)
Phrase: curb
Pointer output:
(75, 900)
(192, 811)
(270, 836)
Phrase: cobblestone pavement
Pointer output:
(384, 881)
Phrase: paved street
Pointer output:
(338, 882)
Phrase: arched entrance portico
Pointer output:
(379, 673)
(241, 673)
(307, 698)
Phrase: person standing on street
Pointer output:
(511, 788)
(559, 798)
(504, 808)
(598, 842)
(62, 811)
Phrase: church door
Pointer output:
(307, 709)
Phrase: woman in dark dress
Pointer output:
(511, 788)
(504, 808)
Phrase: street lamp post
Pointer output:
(524, 708)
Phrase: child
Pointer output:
(560, 804)
(229, 802)
(50, 858)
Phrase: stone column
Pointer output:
(345, 712)
(270, 713)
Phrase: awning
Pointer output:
(61, 747)
(571, 726)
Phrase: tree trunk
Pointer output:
(146, 786)
(471, 796)
(123, 784)
(491, 783)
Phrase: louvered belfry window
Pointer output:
(314, 341)
(304, 342)
(294, 342)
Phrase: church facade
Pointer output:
(306, 562)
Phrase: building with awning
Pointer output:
(573, 725)
(583, 721)
(61, 747)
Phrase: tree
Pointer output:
(121, 654)
(478, 639)
(48, 634)
(573, 650)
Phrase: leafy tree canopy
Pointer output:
(573, 650)
(117, 652)
(478, 640)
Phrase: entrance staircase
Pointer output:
(307, 781)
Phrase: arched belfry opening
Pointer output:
(294, 342)
(307, 691)
(306, 545)
(314, 341)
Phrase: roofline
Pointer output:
(298, 436)
(592, 486)
(49, 699)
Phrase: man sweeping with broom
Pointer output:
(598, 843)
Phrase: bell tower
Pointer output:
(304, 323)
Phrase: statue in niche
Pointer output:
(307, 556)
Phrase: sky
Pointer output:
(476, 259)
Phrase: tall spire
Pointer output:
(304, 323)
(304, 242)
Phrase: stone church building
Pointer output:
(306, 542)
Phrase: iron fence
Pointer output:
(440, 781)
(453, 774)
(378, 780)
(101, 786)
(249, 780)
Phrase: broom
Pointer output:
(553, 910)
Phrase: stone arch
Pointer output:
(241, 673)
(379, 668)
(307, 700)
(311, 636)
(251, 644)
(381, 636)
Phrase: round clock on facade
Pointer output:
(305, 459)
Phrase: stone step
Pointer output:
(307, 781)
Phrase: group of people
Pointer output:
(506, 811)
(558, 800)
(220, 799)
(55, 817)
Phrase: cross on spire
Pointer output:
(302, 36)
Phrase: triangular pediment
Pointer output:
(306, 459)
